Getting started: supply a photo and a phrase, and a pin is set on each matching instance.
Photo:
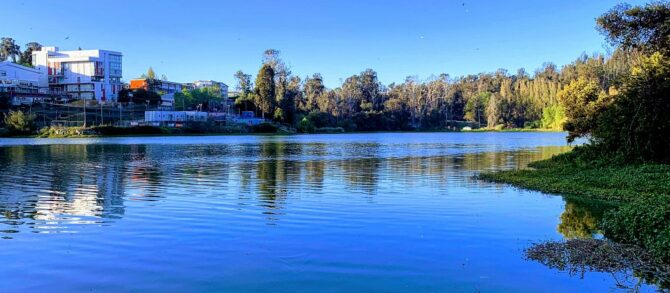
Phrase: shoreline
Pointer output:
(513, 130)
(639, 193)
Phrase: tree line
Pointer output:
(494, 100)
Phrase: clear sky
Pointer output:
(190, 40)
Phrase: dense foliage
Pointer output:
(625, 112)
(204, 99)
(494, 100)
(627, 115)
(18, 122)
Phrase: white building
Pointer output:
(210, 83)
(82, 74)
(173, 118)
(21, 83)
(17, 78)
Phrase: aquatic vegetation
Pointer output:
(629, 264)
(641, 192)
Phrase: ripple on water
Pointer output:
(372, 212)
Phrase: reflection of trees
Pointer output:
(361, 173)
(508, 159)
(577, 222)
(47, 182)
(274, 171)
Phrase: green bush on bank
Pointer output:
(642, 192)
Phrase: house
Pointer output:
(82, 74)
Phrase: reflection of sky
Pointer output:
(374, 211)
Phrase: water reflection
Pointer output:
(581, 217)
(49, 188)
(383, 211)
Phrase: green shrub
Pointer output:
(18, 122)
(305, 125)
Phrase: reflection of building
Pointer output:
(82, 74)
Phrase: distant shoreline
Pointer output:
(512, 130)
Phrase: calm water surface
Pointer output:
(351, 212)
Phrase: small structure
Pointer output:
(247, 118)
(174, 118)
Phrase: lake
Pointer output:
(374, 212)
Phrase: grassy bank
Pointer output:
(567, 176)
(641, 192)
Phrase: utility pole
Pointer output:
(84, 112)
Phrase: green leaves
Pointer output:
(19, 122)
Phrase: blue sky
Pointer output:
(189, 40)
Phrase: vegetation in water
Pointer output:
(640, 191)
(628, 264)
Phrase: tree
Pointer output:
(141, 96)
(27, 56)
(9, 48)
(636, 124)
(124, 96)
(313, 89)
(151, 74)
(646, 28)
(583, 101)
(20, 123)
(476, 107)
(493, 111)
(243, 83)
(265, 90)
